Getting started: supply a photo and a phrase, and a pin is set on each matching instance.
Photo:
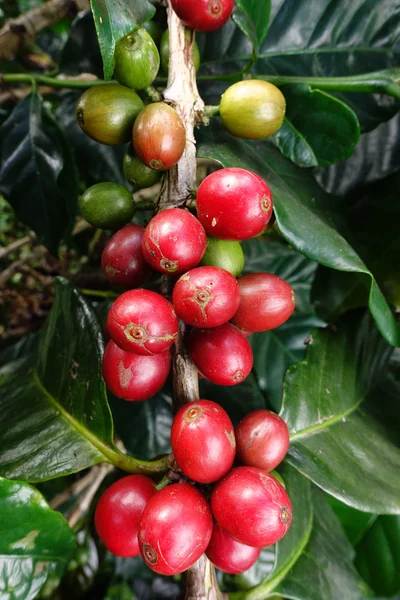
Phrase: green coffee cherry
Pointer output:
(252, 109)
(137, 173)
(164, 51)
(223, 254)
(136, 60)
(107, 205)
(106, 113)
(155, 30)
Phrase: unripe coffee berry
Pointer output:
(206, 297)
(174, 241)
(229, 555)
(122, 260)
(107, 205)
(251, 506)
(136, 60)
(203, 441)
(134, 377)
(106, 113)
(224, 254)
(118, 514)
(143, 322)
(262, 439)
(137, 173)
(266, 301)
(203, 15)
(252, 109)
(159, 136)
(175, 529)
(222, 354)
(234, 204)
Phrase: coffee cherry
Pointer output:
(118, 514)
(223, 254)
(203, 441)
(164, 50)
(175, 529)
(159, 136)
(206, 297)
(278, 477)
(154, 29)
(229, 555)
(203, 15)
(252, 109)
(251, 506)
(221, 354)
(234, 204)
(106, 113)
(136, 172)
(266, 301)
(122, 260)
(262, 439)
(136, 60)
(174, 241)
(142, 322)
(134, 377)
(107, 205)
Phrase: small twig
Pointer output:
(75, 489)
(16, 245)
(9, 272)
(83, 503)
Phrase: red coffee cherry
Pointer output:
(159, 136)
(234, 204)
(118, 514)
(266, 301)
(134, 377)
(122, 260)
(142, 322)
(175, 529)
(206, 297)
(174, 241)
(203, 15)
(229, 555)
(262, 440)
(222, 354)
(252, 506)
(203, 441)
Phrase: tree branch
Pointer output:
(180, 181)
(15, 33)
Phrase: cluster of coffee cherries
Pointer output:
(227, 512)
(232, 204)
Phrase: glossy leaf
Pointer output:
(275, 350)
(325, 570)
(319, 129)
(54, 417)
(113, 20)
(35, 541)
(305, 214)
(81, 53)
(276, 561)
(38, 173)
(252, 16)
(378, 556)
(333, 443)
(354, 522)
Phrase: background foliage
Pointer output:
(332, 371)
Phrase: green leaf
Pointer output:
(35, 541)
(333, 443)
(38, 174)
(305, 214)
(113, 20)
(378, 556)
(54, 417)
(325, 570)
(275, 562)
(252, 16)
(354, 522)
(275, 350)
(319, 129)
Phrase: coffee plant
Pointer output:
(210, 408)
